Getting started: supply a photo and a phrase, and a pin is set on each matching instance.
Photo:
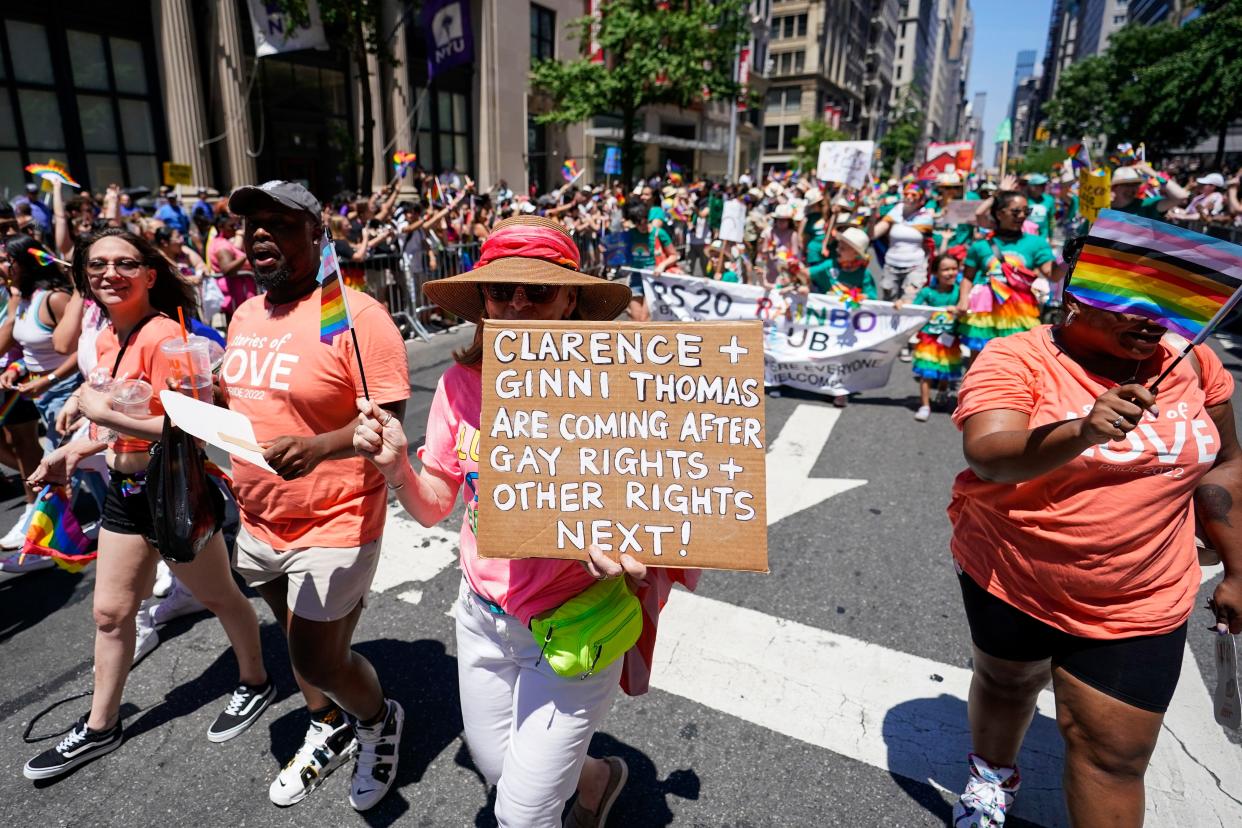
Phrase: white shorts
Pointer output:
(324, 583)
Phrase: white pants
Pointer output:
(527, 728)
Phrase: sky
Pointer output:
(1002, 29)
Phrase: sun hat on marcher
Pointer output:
(948, 179)
(783, 211)
(1215, 179)
(1126, 175)
(814, 196)
(856, 238)
(528, 250)
(1035, 179)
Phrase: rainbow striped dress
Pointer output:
(938, 353)
(1009, 306)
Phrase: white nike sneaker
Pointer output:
(376, 767)
(164, 580)
(178, 603)
(147, 638)
(328, 745)
(15, 537)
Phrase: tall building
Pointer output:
(1097, 20)
(1062, 45)
(817, 63)
(933, 61)
(1148, 12)
(1024, 66)
(973, 122)
(878, 80)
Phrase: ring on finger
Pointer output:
(1117, 422)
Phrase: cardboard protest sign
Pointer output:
(733, 221)
(960, 211)
(845, 162)
(643, 438)
(1094, 193)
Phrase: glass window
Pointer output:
(446, 151)
(12, 179)
(28, 45)
(98, 125)
(791, 134)
(773, 102)
(542, 33)
(788, 23)
(802, 25)
(8, 130)
(771, 137)
(128, 67)
(143, 169)
(136, 125)
(799, 61)
(41, 118)
(104, 169)
(793, 99)
(86, 54)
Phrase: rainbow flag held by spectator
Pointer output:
(54, 532)
(569, 170)
(334, 318)
(1175, 277)
(1079, 157)
(53, 172)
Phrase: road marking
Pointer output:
(791, 459)
(411, 552)
(907, 715)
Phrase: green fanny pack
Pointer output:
(591, 630)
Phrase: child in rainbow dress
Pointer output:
(938, 351)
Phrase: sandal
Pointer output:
(580, 817)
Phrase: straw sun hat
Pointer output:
(528, 250)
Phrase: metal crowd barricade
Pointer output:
(409, 305)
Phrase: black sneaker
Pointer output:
(79, 747)
(247, 704)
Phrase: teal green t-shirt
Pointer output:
(813, 239)
(1025, 251)
(1043, 212)
(1145, 207)
(640, 247)
(939, 323)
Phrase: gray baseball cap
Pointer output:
(287, 195)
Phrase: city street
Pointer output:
(828, 692)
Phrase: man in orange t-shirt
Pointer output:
(1074, 538)
(310, 537)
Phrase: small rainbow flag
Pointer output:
(44, 258)
(1079, 157)
(402, 161)
(50, 172)
(851, 297)
(334, 318)
(569, 170)
(1172, 276)
(54, 531)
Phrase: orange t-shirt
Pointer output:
(142, 361)
(278, 374)
(1102, 547)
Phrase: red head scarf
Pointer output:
(531, 243)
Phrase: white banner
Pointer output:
(815, 345)
(275, 32)
(845, 162)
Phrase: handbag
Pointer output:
(187, 508)
(591, 630)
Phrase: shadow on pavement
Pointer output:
(929, 739)
(25, 600)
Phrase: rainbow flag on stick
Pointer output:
(334, 316)
(1183, 280)
(54, 532)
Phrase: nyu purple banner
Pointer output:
(449, 39)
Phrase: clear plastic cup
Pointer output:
(132, 397)
(189, 365)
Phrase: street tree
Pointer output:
(356, 25)
(812, 133)
(680, 53)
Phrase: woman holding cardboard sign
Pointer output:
(528, 706)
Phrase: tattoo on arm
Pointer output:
(1215, 503)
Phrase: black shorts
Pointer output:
(23, 411)
(1140, 671)
(127, 514)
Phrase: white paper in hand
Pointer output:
(221, 427)
(1225, 702)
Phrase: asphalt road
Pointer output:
(870, 564)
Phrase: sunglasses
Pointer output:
(129, 268)
(535, 294)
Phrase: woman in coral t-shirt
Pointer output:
(1074, 539)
